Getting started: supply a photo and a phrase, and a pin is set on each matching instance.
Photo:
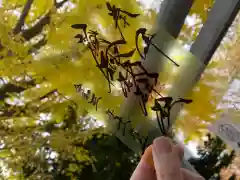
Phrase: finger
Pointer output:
(188, 175)
(180, 151)
(148, 157)
(166, 159)
(145, 169)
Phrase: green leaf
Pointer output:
(118, 164)
(5, 153)
(72, 167)
(79, 156)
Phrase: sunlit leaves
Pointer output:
(5, 153)
(60, 64)
(73, 167)
(201, 8)
(39, 8)
(13, 3)
(207, 94)
(195, 20)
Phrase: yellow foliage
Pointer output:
(38, 9)
(201, 8)
(61, 63)
(9, 4)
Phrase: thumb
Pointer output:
(145, 169)
(166, 158)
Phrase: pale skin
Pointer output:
(162, 161)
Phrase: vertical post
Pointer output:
(219, 20)
(205, 45)
(171, 17)
(203, 48)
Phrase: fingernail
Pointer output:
(162, 145)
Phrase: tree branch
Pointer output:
(38, 45)
(37, 28)
(60, 4)
(11, 88)
(48, 94)
(23, 16)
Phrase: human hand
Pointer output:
(162, 161)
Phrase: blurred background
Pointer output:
(49, 131)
